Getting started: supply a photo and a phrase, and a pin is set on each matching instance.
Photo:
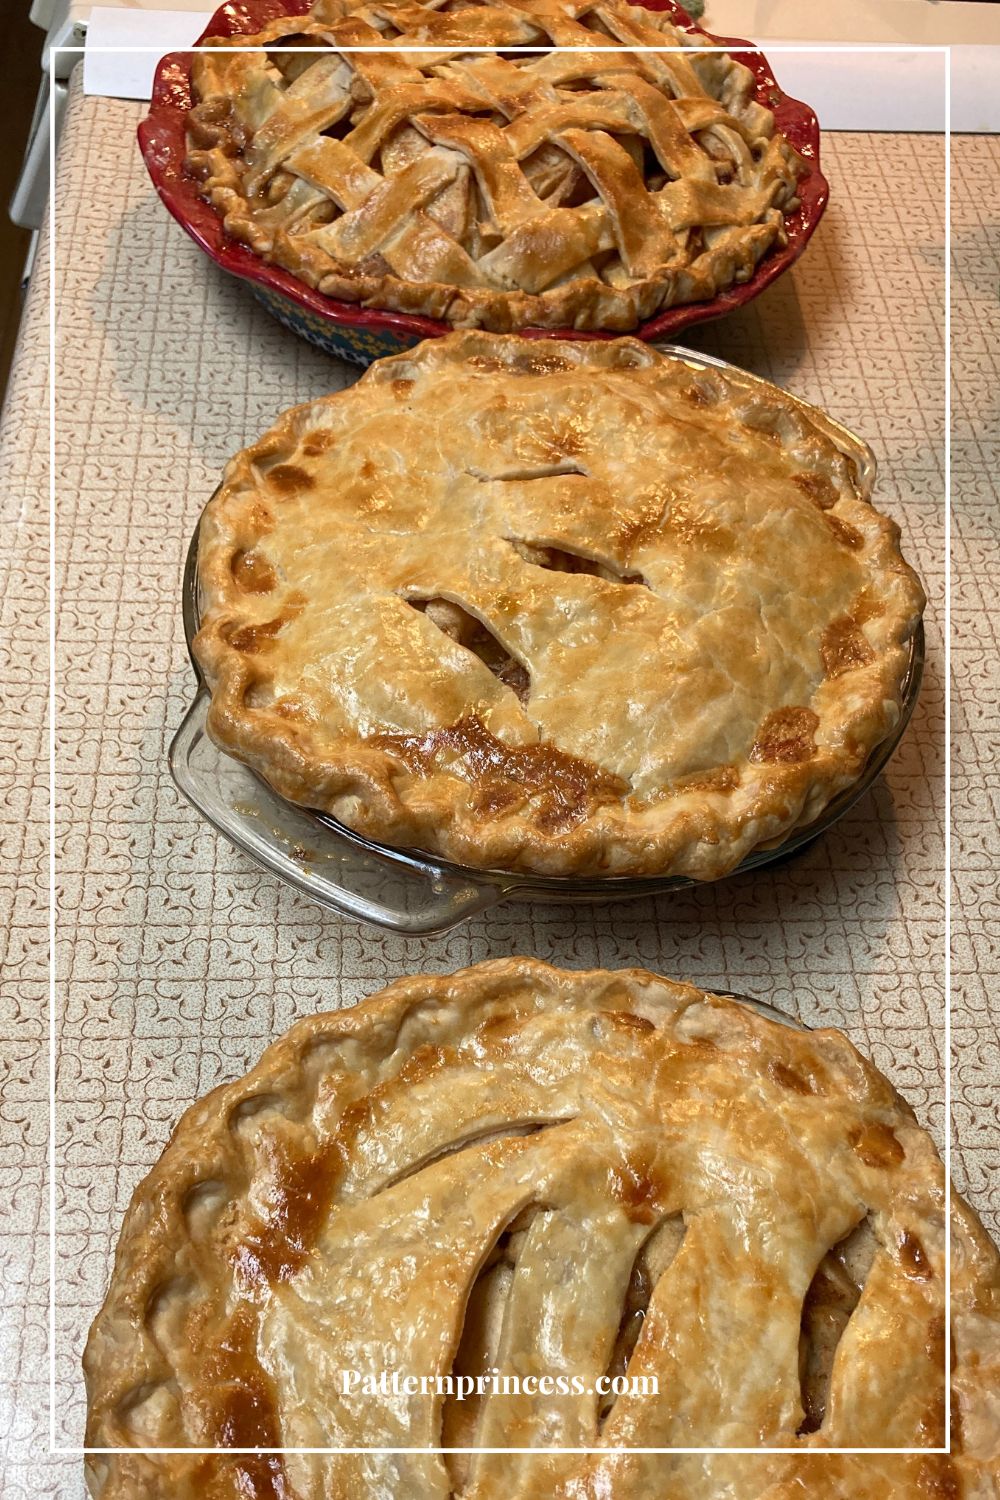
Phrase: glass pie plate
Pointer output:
(412, 892)
(360, 334)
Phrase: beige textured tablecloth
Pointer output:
(178, 960)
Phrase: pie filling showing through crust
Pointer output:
(525, 1170)
(582, 189)
(580, 608)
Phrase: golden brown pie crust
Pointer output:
(576, 608)
(582, 189)
(582, 1171)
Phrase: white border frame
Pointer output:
(759, 1452)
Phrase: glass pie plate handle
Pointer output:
(412, 892)
(408, 895)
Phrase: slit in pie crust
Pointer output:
(583, 189)
(525, 1170)
(580, 609)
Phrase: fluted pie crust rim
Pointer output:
(645, 1102)
(427, 767)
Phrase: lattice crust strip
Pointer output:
(560, 189)
(527, 1171)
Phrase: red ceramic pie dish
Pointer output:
(361, 334)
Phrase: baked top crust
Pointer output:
(579, 607)
(525, 1169)
(583, 189)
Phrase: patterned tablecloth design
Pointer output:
(178, 961)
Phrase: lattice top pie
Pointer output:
(585, 189)
(522, 1171)
(564, 607)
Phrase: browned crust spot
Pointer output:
(913, 1257)
(819, 488)
(698, 395)
(243, 1410)
(757, 429)
(843, 647)
(846, 535)
(629, 1021)
(938, 1479)
(252, 573)
(876, 1145)
(564, 787)
(496, 797)
(423, 1063)
(318, 442)
(788, 1078)
(637, 1187)
(688, 525)
(786, 737)
(720, 779)
(866, 607)
(563, 443)
(289, 479)
(646, 523)
(300, 1191)
(534, 361)
(251, 640)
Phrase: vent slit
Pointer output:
(653, 1259)
(472, 1140)
(561, 560)
(468, 631)
(829, 1304)
(522, 473)
(478, 1345)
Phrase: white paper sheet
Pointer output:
(892, 90)
(149, 33)
(871, 90)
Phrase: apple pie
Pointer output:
(470, 172)
(517, 1170)
(579, 608)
